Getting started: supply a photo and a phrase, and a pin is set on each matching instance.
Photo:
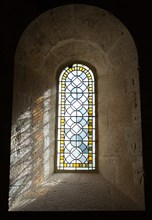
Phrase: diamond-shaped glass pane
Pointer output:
(77, 81)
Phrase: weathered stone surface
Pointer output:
(107, 167)
(123, 169)
(76, 192)
(134, 140)
(92, 36)
(138, 171)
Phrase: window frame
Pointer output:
(59, 71)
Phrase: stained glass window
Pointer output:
(76, 119)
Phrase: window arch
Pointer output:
(76, 119)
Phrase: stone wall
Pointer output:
(59, 37)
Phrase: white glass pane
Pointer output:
(77, 81)
(68, 159)
(84, 99)
(93, 148)
(59, 87)
(84, 88)
(93, 160)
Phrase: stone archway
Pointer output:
(59, 36)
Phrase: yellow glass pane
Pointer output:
(65, 165)
(61, 161)
(62, 142)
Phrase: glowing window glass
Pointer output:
(76, 119)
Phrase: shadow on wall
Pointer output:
(30, 149)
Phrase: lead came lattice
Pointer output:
(76, 119)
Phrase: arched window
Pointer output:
(76, 119)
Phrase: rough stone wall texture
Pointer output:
(59, 37)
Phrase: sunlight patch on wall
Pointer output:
(30, 149)
(21, 159)
(46, 134)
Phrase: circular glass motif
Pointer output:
(76, 140)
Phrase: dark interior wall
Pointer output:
(15, 15)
